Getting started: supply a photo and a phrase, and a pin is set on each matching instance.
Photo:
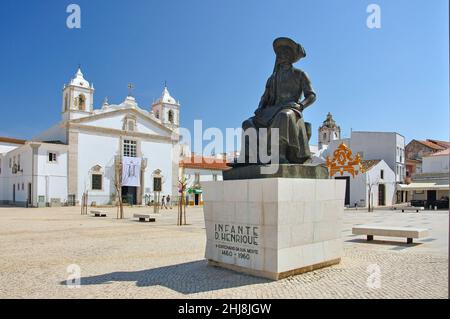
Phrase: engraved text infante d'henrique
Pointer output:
(236, 234)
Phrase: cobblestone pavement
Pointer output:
(128, 259)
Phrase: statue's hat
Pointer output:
(299, 51)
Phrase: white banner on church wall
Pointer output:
(131, 171)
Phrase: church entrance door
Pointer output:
(129, 195)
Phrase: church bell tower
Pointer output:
(328, 131)
(78, 98)
(167, 110)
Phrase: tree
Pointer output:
(370, 185)
(182, 185)
(118, 188)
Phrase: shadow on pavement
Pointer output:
(187, 278)
(383, 242)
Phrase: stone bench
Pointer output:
(143, 217)
(97, 213)
(417, 209)
(389, 231)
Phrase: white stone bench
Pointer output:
(389, 231)
(413, 208)
(144, 217)
(97, 213)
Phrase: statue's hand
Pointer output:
(295, 105)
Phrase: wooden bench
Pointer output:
(390, 231)
(97, 213)
(417, 209)
(143, 217)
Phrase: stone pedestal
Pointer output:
(274, 227)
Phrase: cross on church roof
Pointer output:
(130, 89)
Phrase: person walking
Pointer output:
(169, 203)
(163, 202)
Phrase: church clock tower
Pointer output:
(78, 98)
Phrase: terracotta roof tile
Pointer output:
(431, 145)
(200, 162)
(368, 164)
(12, 140)
(444, 144)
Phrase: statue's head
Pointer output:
(288, 50)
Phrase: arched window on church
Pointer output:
(157, 114)
(66, 102)
(81, 102)
(324, 136)
(170, 116)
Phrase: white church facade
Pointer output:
(85, 152)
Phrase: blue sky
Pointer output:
(217, 55)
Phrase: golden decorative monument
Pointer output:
(343, 161)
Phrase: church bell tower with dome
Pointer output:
(167, 110)
(78, 98)
(328, 131)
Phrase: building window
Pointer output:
(197, 178)
(51, 157)
(66, 103)
(23, 186)
(129, 148)
(157, 114)
(382, 174)
(97, 181)
(215, 177)
(170, 116)
(131, 125)
(81, 102)
(324, 136)
(0, 166)
(10, 162)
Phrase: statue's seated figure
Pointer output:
(281, 107)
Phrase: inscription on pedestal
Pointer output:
(239, 241)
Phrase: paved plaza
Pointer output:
(129, 259)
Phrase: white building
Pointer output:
(33, 170)
(198, 169)
(431, 186)
(388, 146)
(376, 180)
(84, 150)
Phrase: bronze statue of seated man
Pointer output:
(281, 107)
